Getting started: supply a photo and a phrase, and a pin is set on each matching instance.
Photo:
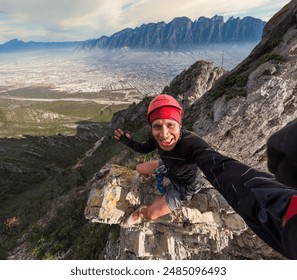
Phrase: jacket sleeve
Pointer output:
(256, 196)
(208, 160)
(223, 172)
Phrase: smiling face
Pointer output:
(166, 132)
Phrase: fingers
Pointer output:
(141, 212)
(118, 133)
(136, 216)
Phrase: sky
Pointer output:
(78, 20)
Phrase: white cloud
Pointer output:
(44, 12)
(156, 10)
(84, 19)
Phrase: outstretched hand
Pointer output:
(122, 136)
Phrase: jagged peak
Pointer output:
(14, 41)
(123, 31)
(217, 18)
(181, 19)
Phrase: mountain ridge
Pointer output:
(181, 32)
(15, 45)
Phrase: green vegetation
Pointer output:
(47, 119)
(234, 84)
(50, 118)
(49, 93)
(174, 89)
(46, 203)
(275, 39)
(272, 57)
(42, 190)
(70, 230)
(231, 86)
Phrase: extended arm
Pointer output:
(256, 196)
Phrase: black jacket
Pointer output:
(180, 162)
(256, 196)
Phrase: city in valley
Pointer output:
(47, 92)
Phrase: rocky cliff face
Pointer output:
(192, 83)
(241, 125)
(182, 32)
(236, 116)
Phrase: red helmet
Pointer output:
(162, 101)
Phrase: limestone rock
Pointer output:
(194, 82)
(206, 228)
(113, 197)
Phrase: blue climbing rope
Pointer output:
(159, 174)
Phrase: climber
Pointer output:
(174, 146)
(268, 206)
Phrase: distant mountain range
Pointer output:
(181, 32)
(18, 45)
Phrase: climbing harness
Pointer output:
(159, 174)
